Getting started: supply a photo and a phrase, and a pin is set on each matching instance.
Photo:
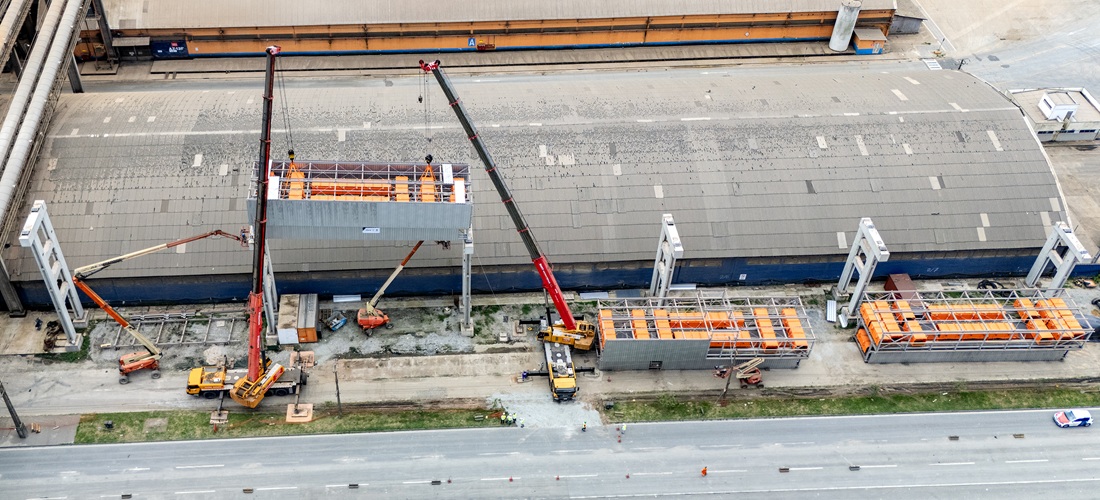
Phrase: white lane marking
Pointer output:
(499, 478)
(151, 119)
(277, 488)
(196, 492)
(651, 474)
(794, 443)
(135, 469)
(646, 448)
(1026, 461)
(720, 446)
(725, 471)
(580, 475)
(132, 119)
(806, 468)
(415, 482)
(107, 120)
(414, 457)
(75, 131)
(198, 466)
(48, 498)
(1091, 458)
(858, 488)
(640, 120)
(67, 472)
(891, 466)
(535, 124)
(695, 119)
(952, 463)
(573, 451)
(498, 454)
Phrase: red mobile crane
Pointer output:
(250, 387)
(250, 390)
(580, 334)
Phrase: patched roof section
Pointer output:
(751, 163)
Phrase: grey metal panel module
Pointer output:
(668, 354)
(326, 220)
(882, 357)
(310, 200)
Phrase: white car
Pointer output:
(1073, 418)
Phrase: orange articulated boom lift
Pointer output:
(150, 359)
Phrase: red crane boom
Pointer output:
(542, 265)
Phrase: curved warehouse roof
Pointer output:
(751, 163)
(145, 14)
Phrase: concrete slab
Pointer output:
(299, 413)
(18, 335)
(307, 358)
(55, 429)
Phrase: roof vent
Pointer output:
(1058, 106)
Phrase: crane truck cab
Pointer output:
(211, 381)
(559, 368)
(583, 337)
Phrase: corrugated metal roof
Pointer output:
(751, 163)
(144, 14)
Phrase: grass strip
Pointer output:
(181, 425)
(670, 408)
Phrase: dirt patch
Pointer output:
(156, 424)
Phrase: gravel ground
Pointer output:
(540, 410)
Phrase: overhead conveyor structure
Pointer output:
(983, 325)
(699, 332)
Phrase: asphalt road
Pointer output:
(997, 455)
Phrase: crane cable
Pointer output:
(285, 109)
(425, 98)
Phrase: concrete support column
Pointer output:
(467, 255)
(74, 76)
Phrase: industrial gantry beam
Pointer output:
(1064, 251)
(868, 250)
(39, 236)
(668, 250)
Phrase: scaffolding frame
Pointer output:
(367, 181)
(728, 323)
(1015, 320)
